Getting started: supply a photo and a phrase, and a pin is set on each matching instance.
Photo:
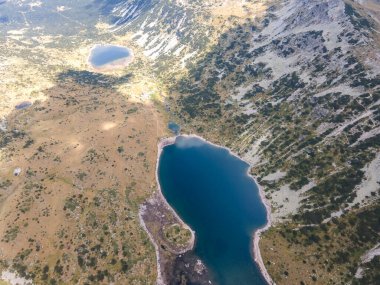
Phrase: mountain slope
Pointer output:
(299, 98)
(296, 92)
(77, 150)
(292, 86)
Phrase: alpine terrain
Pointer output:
(290, 86)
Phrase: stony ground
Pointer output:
(86, 148)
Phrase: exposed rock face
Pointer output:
(179, 31)
(316, 61)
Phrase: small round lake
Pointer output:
(109, 55)
(210, 190)
(174, 128)
(23, 105)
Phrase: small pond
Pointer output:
(174, 128)
(104, 55)
(23, 105)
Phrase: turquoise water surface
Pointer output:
(210, 190)
(105, 54)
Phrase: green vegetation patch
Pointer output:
(177, 234)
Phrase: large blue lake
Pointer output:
(210, 190)
(105, 54)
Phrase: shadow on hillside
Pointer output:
(84, 77)
(73, 145)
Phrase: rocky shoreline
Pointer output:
(257, 234)
(175, 263)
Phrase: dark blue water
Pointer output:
(211, 191)
(104, 54)
(175, 128)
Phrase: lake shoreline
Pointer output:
(159, 280)
(161, 145)
(256, 235)
(160, 199)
